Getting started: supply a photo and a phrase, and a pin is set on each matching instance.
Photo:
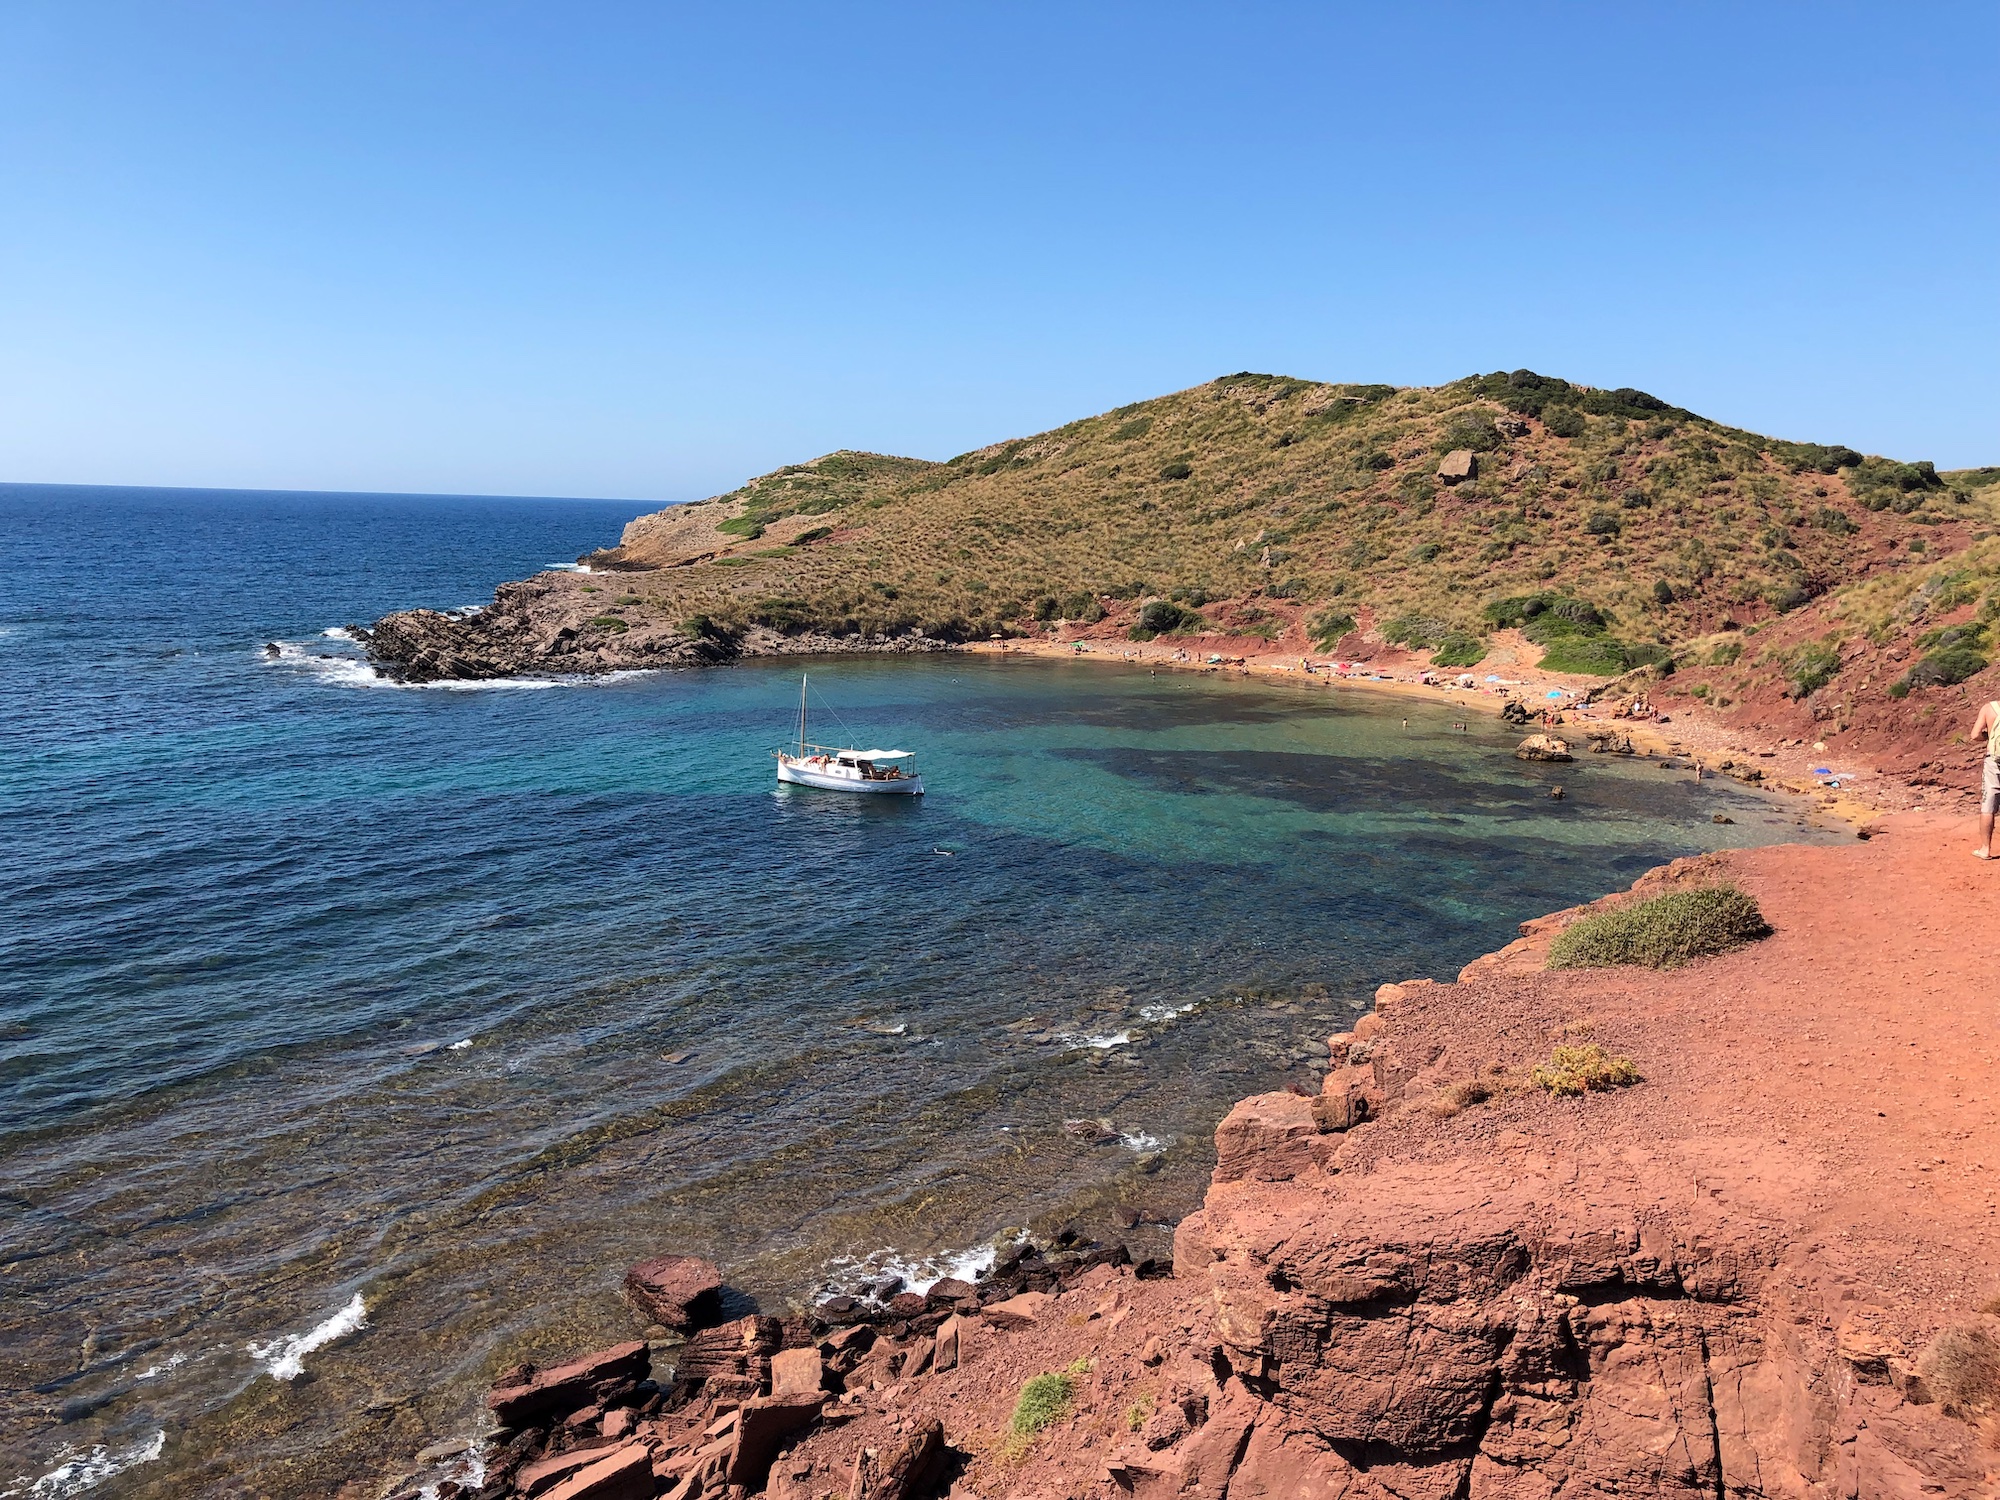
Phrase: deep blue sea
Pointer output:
(354, 1038)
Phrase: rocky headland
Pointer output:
(1718, 1229)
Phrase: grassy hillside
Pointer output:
(1608, 523)
(1890, 668)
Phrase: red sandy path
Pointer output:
(1857, 1043)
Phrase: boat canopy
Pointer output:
(881, 754)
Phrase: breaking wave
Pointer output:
(1101, 1041)
(919, 1273)
(348, 670)
(285, 1358)
(86, 1471)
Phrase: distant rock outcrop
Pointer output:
(1543, 747)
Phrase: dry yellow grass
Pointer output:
(1255, 491)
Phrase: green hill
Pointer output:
(1258, 486)
(1609, 523)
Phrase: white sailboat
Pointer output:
(887, 772)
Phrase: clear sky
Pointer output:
(646, 251)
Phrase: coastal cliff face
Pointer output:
(1765, 1268)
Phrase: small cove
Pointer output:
(258, 904)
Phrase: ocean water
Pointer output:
(354, 1038)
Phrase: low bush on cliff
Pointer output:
(1583, 1068)
(1328, 626)
(1159, 617)
(1044, 1401)
(1663, 933)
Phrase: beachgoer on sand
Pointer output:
(1988, 725)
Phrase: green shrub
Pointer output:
(1663, 592)
(1138, 427)
(1881, 484)
(1177, 471)
(1472, 428)
(1973, 634)
(1328, 626)
(1545, 616)
(1604, 523)
(1044, 1400)
(1375, 462)
(1425, 552)
(1159, 616)
(1835, 521)
(1811, 667)
(1944, 668)
(786, 616)
(1581, 1069)
(707, 628)
(611, 624)
(747, 527)
(1082, 609)
(814, 534)
(1589, 655)
(1565, 422)
(1663, 933)
(1457, 649)
(1523, 391)
(1419, 631)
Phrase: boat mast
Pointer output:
(802, 716)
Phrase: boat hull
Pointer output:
(796, 775)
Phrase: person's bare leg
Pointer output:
(1985, 849)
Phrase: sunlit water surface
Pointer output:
(338, 1021)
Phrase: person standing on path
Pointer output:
(1988, 724)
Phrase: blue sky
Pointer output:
(647, 251)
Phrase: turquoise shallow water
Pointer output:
(314, 988)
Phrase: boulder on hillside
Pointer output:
(1510, 426)
(681, 1292)
(1460, 463)
(1543, 747)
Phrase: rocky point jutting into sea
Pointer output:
(1759, 1261)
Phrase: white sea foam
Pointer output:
(1138, 1140)
(79, 1471)
(459, 1046)
(336, 633)
(467, 1471)
(1102, 1041)
(1165, 1012)
(165, 1367)
(919, 1274)
(566, 568)
(285, 1358)
(348, 670)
